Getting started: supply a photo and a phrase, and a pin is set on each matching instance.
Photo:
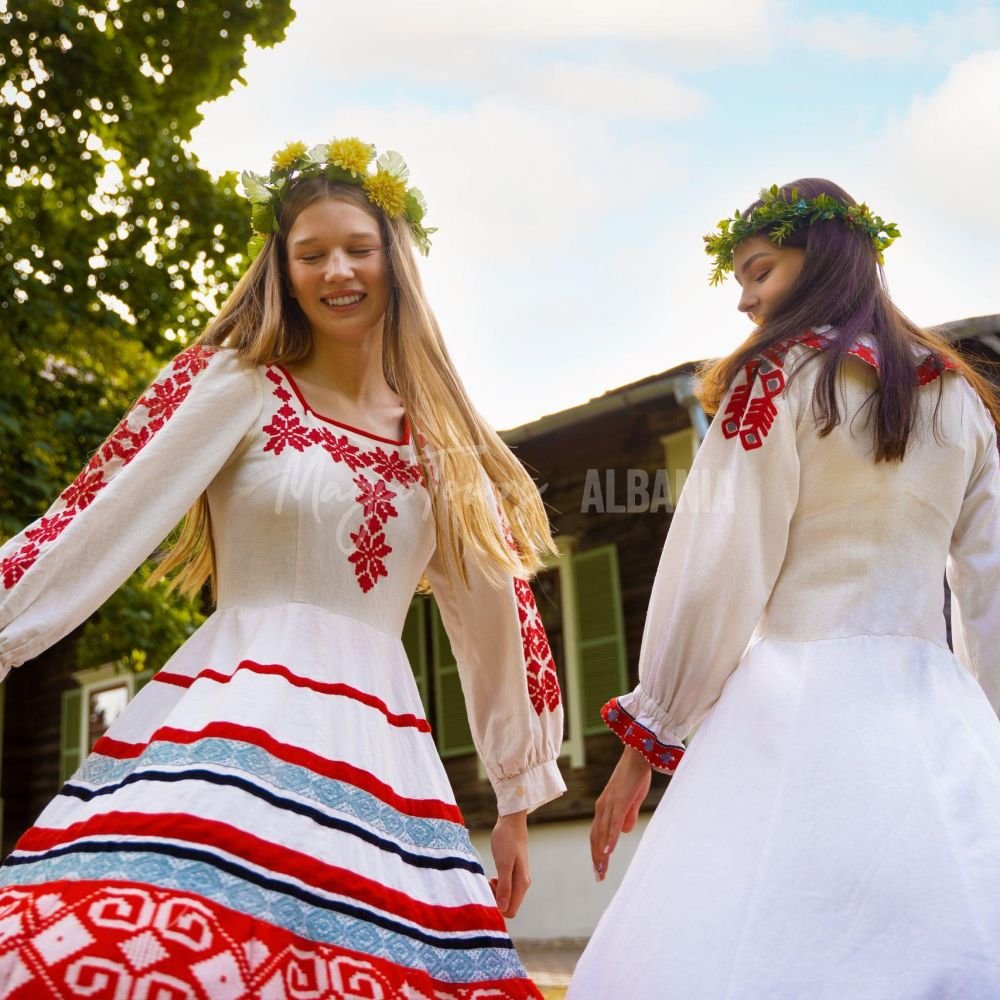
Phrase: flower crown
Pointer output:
(346, 160)
(781, 215)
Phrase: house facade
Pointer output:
(609, 471)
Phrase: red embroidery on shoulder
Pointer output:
(929, 369)
(751, 416)
(660, 756)
(761, 411)
(732, 418)
(374, 496)
(543, 681)
(147, 415)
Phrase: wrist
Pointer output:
(519, 818)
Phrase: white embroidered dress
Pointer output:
(833, 830)
(269, 817)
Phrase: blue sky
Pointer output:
(573, 154)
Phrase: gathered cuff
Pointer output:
(530, 789)
(662, 748)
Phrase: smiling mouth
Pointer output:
(341, 301)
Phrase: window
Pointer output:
(679, 450)
(90, 709)
(579, 599)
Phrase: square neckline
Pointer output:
(340, 423)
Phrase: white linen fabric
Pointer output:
(833, 829)
(277, 776)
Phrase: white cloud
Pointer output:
(569, 254)
(611, 87)
(858, 35)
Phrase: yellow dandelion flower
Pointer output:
(387, 192)
(286, 157)
(351, 155)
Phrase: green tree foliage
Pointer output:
(115, 245)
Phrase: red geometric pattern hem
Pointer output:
(107, 940)
(660, 756)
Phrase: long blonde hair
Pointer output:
(471, 474)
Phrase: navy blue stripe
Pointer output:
(280, 802)
(265, 882)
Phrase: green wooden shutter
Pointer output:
(451, 720)
(600, 632)
(678, 453)
(70, 733)
(415, 644)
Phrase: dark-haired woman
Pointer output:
(833, 831)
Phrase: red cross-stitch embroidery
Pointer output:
(17, 564)
(543, 682)
(286, 430)
(81, 492)
(375, 499)
(148, 414)
(374, 496)
(48, 528)
(163, 398)
(368, 557)
(339, 448)
(751, 416)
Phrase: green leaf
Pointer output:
(416, 207)
(254, 185)
(262, 218)
(255, 244)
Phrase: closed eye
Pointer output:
(763, 274)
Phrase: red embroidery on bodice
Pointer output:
(377, 469)
(147, 416)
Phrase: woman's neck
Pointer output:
(351, 370)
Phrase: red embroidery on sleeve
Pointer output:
(150, 412)
(543, 681)
(660, 756)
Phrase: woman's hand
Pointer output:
(510, 855)
(617, 808)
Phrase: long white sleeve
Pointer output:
(132, 492)
(723, 552)
(974, 560)
(509, 682)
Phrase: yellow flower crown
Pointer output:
(346, 160)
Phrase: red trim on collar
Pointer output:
(927, 371)
(339, 423)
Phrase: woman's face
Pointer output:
(766, 273)
(338, 269)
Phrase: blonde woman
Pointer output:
(269, 817)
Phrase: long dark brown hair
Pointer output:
(842, 284)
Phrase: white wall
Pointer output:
(565, 901)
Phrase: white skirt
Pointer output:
(268, 819)
(833, 832)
